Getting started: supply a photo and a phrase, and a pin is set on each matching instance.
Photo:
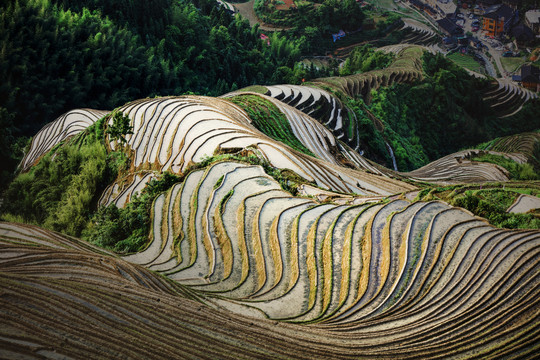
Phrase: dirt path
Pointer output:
(247, 11)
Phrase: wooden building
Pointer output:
(530, 77)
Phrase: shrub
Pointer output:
(60, 191)
(126, 230)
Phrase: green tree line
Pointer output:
(441, 114)
(60, 55)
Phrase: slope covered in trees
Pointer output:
(420, 105)
(60, 55)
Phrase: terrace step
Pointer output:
(332, 252)
(319, 263)
(167, 259)
(264, 228)
(414, 237)
(279, 216)
(377, 245)
(296, 298)
(185, 248)
(203, 265)
(121, 195)
(359, 260)
(241, 259)
(476, 284)
(439, 238)
(394, 230)
(64, 127)
(230, 218)
(152, 251)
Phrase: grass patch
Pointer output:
(533, 192)
(489, 201)
(465, 61)
(512, 64)
(59, 192)
(255, 88)
(267, 118)
(125, 230)
(517, 171)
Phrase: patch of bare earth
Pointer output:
(247, 11)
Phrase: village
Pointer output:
(499, 39)
(496, 34)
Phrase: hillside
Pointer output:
(251, 231)
(252, 207)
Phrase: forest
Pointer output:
(442, 114)
(57, 55)
(330, 15)
(60, 55)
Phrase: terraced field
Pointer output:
(523, 144)
(64, 127)
(384, 279)
(317, 98)
(419, 33)
(459, 168)
(506, 98)
(236, 266)
(406, 67)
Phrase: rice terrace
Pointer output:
(206, 192)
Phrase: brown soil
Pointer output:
(247, 11)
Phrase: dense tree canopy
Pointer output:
(60, 55)
(442, 114)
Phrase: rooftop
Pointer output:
(533, 16)
(522, 33)
(530, 73)
(447, 7)
(499, 11)
(449, 26)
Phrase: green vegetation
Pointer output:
(312, 24)
(385, 4)
(466, 61)
(126, 230)
(269, 120)
(371, 137)
(223, 201)
(329, 15)
(120, 127)
(442, 114)
(527, 144)
(517, 171)
(60, 191)
(57, 55)
(365, 58)
(489, 201)
(512, 64)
